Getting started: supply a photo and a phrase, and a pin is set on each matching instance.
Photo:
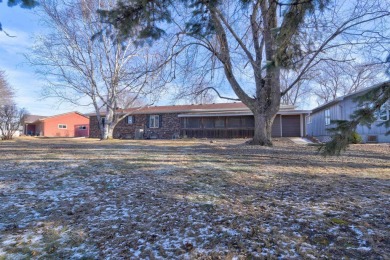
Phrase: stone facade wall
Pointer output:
(169, 127)
(93, 127)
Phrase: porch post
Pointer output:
(281, 126)
(301, 121)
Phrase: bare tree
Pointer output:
(299, 95)
(10, 120)
(333, 79)
(250, 41)
(6, 92)
(86, 68)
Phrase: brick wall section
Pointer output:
(93, 127)
(170, 125)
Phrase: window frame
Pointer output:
(132, 120)
(66, 127)
(154, 121)
(327, 116)
(308, 119)
(82, 127)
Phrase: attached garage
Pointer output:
(291, 125)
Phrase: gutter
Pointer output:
(295, 112)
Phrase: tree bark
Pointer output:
(108, 132)
(263, 129)
(111, 120)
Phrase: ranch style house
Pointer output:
(219, 120)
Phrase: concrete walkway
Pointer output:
(300, 140)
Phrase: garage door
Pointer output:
(291, 126)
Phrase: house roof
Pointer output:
(227, 108)
(339, 99)
(73, 112)
(32, 118)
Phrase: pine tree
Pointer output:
(27, 4)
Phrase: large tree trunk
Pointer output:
(108, 124)
(108, 132)
(111, 121)
(263, 129)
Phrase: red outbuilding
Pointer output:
(72, 124)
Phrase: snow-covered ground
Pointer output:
(86, 199)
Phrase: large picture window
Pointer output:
(327, 117)
(154, 121)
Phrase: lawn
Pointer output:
(191, 199)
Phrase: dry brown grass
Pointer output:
(83, 198)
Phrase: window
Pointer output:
(193, 122)
(308, 119)
(327, 117)
(103, 119)
(383, 113)
(219, 123)
(248, 121)
(130, 120)
(82, 127)
(154, 121)
(62, 126)
(208, 122)
(234, 122)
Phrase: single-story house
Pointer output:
(219, 120)
(72, 124)
(319, 121)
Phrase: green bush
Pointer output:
(355, 138)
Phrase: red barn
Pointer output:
(72, 124)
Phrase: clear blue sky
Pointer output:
(23, 24)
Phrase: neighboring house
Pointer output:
(72, 124)
(319, 121)
(223, 120)
(29, 126)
